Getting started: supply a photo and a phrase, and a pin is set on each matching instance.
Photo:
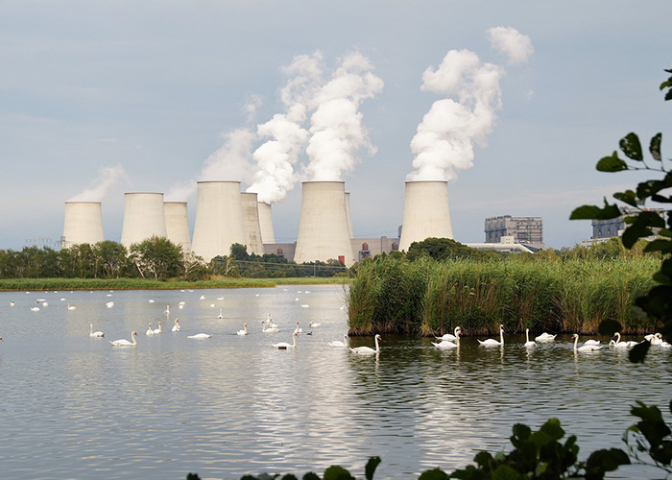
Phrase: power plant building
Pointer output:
(83, 223)
(251, 220)
(523, 230)
(177, 225)
(144, 217)
(266, 222)
(426, 213)
(614, 227)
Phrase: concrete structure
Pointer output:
(83, 223)
(524, 230)
(266, 222)
(348, 216)
(370, 247)
(219, 219)
(426, 213)
(323, 227)
(177, 225)
(614, 227)
(251, 220)
(144, 218)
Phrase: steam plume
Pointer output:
(515, 45)
(107, 178)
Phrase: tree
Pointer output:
(111, 259)
(158, 257)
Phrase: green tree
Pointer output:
(443, 249)
(111, 259)
(157, 257)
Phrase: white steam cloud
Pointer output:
(444, 142)
(515, 45)
(106, 179)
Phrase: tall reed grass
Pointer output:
(429, 297)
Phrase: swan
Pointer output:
(149, 331)
(244, 331)
(298, 329)
(71, 307)
(657, 339)
(529, 343)
(368, 350)
(314, 324)
(650, 336)
(451, 336)
(95, 334)
(490, 342)
(176, 327)
(619, 344)
(268, 330)
(591, 342)
(447, 344)
(200, 336)
(338, 343)
(545, 338)
(220, 314)
(125, 343)
(284, 345)
(109, 304)
(35, 309)
(158, 331)
(584, 347)
(167, 310)
(270, 322)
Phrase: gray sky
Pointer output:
(153, 89)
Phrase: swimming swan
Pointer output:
(450, 336)
(150, 330)
(545, 338)
(242, 332)
(619, 344)
(490, 342)
(584, 347)
(368, 350)
(125, 343)
(158, 331)
(268, 330)
(176, 327)
(298, 329)
(200, 336)
(284, 345)
(338, 343)
(95, 334)
(528, 342)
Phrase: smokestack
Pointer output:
(219, 219)
(83, 223)
(177, 225)
(251, 221)
(323, 228)
(266, 222)
(426, 212)
(348, 216)
(144, 218)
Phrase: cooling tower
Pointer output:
(426, 213)
(323, 227)
(83, 223)
(348, 217)
(266, 222)
(219, 219)
(251, 221)
(144, 218)
(177, 225)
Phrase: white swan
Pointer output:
(657, 339)
(368, 350)
(95, 334)
(650, 336)
(71, 307)
(584, 347)
(200, 336)
(109, 304)
(451, 336)
(158, 331)
(284, 345)
(298, 329)
(491, 342)
(338, 343)
(35, 309)
(125, 343)
(176, 327)
(619, 344)
(528, 342)
(313, 324)
(150, 330)
(592, 342)
(268, 330)
(545, 338)
(167, 310)
(270, 323)
(447, 344)
(242, 332)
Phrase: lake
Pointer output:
(73, 406)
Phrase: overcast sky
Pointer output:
(150, 96)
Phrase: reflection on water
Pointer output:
(75, 407)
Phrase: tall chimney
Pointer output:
(266, 223)
(144, 218)
(323, 228)
(177, 225)
(251, 220)
(83, 223)
(219, 219)
(426, 213)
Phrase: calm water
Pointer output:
(72, 406)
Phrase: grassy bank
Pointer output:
(429, 297)
(48, 284)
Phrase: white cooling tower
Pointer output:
(348, 216)
(323, 228)
(177, 225)
(219, 219)
(266, 222)
(83, 223)
(251, 221)
(426, 213)
(144, 218)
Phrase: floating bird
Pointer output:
(150, 330)
(270, 323)
(158, 331)
(176, 327)
(71, 307)
(167, 310)
(450, 336)
(151, 301)
(268, 330)
(368, 350)
(125, 343)
(314, 324)
(244, 331)
(95, 334)
(584, 347)
(109, 304)
(298, 329)
(284, 345)
(338, 343)
(35, 309)
(528, 342)
(200, 336)
(490, 342)
(545, 338)
(11, 304)
(618, 344)
(220, 314)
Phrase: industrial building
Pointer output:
(526, 231)
(614, 227)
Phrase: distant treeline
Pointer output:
(153, 259)
(438, 285)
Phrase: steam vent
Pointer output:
(219, 219)
(426, 213)
(323, 227)
(177, 224)
(83, 223)
(144, 218)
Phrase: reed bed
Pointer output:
(431, 298)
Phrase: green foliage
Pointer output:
(444, 249)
